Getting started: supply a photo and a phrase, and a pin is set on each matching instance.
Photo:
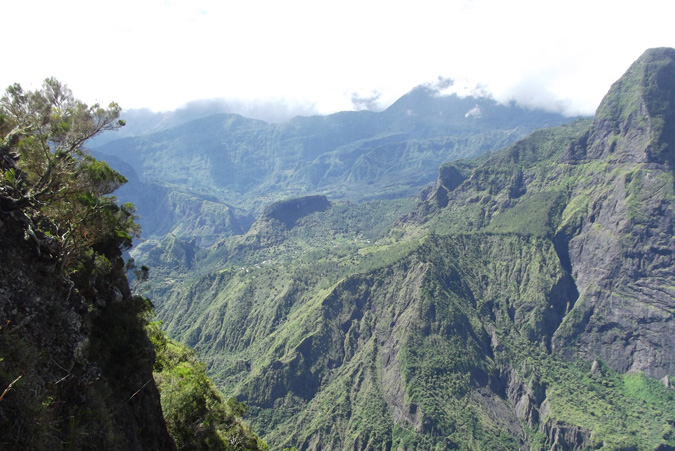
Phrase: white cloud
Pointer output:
(162, 54)
(474, 112)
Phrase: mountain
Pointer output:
(223, 169)
(605, 200)
(525, 301)
(145, 121)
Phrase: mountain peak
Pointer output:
(638, 110)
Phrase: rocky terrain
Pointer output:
(76, 362)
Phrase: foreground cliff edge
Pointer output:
(526, 302)
(76, 364)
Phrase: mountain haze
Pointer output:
(224, 168)
(525, 301)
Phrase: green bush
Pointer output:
(197, 416)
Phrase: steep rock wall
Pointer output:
(622, 256)
(77, 353)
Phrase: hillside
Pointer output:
(525, 302)
(605, 199)
(209, 177)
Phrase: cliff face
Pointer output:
(74, 352)
(621, 253)
(286, 213)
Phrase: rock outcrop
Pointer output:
(287, 212)
(622, 256)
(76, 364)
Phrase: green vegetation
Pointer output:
(623, 410)
(75, 359)
(197, 416)
(62, 192)
(526, 301)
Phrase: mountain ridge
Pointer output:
(244, 164)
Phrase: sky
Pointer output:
(307, 57)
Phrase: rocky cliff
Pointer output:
(76, 365)
(621, 249)
(286, 213)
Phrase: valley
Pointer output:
(410, 280)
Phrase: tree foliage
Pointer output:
(62, 193)
(196, 414)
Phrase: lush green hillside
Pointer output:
(526, 301)
(197, 416)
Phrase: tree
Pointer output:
(62, 192)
